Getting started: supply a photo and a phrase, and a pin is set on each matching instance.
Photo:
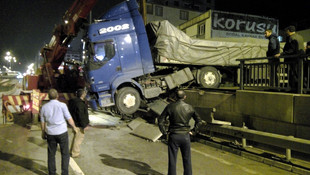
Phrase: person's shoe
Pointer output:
(75, 156)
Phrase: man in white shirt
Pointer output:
(53, 117)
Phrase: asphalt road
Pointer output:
(113, 150)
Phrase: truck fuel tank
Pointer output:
(180, 77)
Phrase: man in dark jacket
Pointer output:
(308, 48)
(294, 45)
(273, 50)
(79, 112)
(179, 132)
(273, 45)
(294, 42)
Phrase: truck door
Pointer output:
(129, 54)
(103, 66)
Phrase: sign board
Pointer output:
(233, 25)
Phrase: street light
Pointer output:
(30, 70)
(10, 58)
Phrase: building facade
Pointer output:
(176, 16)
(195, 5)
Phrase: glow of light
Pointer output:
(26, 107)
(30, 69)
(100, 57)
(127, 39)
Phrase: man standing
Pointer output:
(179, 132)
(273, 45)
(273, 50)
(294, 45)
(308, 48)
(53, 117)
(294, 42)
(79, 112)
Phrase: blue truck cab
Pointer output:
(118, 51)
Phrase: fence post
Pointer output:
(288, 155)
(244, 139)
(241, 75)
(300, 75)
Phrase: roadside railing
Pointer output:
(287, 73)
(281, 141)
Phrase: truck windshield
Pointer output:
(102, 53)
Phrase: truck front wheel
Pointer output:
(209, 77)
(127, 100)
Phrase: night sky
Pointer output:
(26, 25)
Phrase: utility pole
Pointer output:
(143, 10)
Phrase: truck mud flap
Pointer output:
(179, 77)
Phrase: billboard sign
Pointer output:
(232, 25)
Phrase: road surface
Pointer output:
(113, 150)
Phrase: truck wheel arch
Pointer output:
(117, 86)
(127, 100)
(127, 97)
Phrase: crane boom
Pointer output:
(54, 52)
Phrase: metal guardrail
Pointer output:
(287, 142)
(289, 73)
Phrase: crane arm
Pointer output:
(54, 52)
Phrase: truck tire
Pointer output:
(127, 100)
(209, 77)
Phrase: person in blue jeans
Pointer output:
(54, 115)
(179, 114)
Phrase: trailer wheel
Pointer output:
(127, 100)
(209, 77)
